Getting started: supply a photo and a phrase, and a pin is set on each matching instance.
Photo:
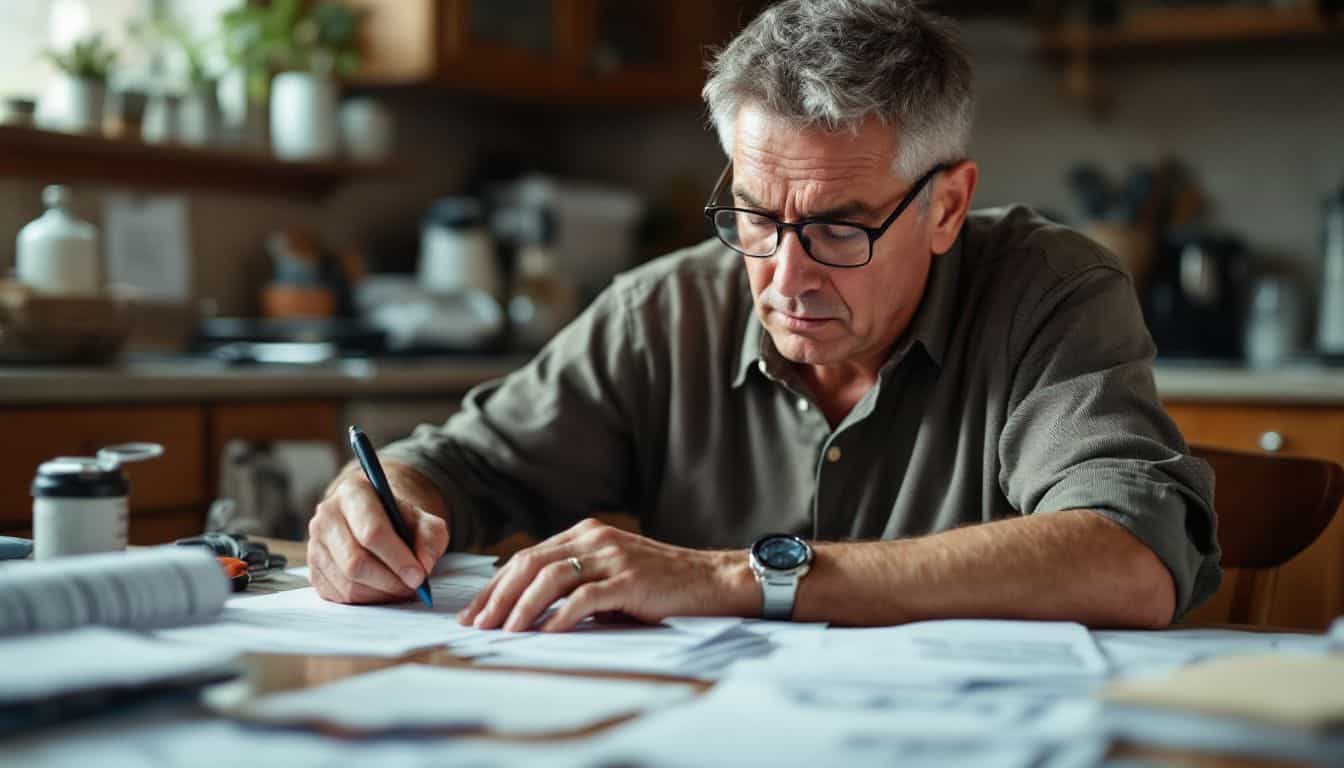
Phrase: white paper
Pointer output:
(147, 244)
(745, 722)
(1143, 653)
(163, 738)
(683, 646)
(300, 621)
(936, 653)
(421, 697)
(453, 562)
(94, 658)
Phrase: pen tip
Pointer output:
(425, 597)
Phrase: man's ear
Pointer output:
(952, 194)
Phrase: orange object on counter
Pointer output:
(237, 572)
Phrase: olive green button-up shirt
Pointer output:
(1022, 386)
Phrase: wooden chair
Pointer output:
(1270, 508)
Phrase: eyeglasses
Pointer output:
(844, 244)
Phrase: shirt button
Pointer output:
(803, 405)
(760, 365)
(833, 454)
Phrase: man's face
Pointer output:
(820, 315)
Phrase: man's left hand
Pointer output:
(599, 568)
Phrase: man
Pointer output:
(938, 414)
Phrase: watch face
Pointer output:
(781, 553)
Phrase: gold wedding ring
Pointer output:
(576, 565)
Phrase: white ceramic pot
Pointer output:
(366, 130)
(303, 117)
(72, 104)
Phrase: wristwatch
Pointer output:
(779, 561)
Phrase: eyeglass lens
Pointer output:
(756, 235)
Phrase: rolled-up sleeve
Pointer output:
(545, 446)
(1086, 430)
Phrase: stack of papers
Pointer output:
(1141, 653)
(55, 664)
(1283, 689)
(47, 675)
(416, 697)
(697, 647)
(957, 653)
(300, 621)
(154, 587)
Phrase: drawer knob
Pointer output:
(1271, 442)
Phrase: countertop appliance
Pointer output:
(1196, 298)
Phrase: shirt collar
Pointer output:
(930, 327)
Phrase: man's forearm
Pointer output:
(1073, 565)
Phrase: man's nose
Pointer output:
(795, 272)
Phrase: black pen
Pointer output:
(368, 459)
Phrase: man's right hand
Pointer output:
(354, 554)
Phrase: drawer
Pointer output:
(1299, 430)
(174, 480)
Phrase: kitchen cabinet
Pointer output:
(1310, 588)
(168, 493)
(556, 51)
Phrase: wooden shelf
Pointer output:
(1190, 27)
(59, 157)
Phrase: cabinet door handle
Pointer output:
(1271, 442)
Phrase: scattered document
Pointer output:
(166, 736)
(300, 621)
(698, 647)
(1291, 690)
(453, 562)
(1210, 735)
(745, 722)
(1157, 653)
(48, 665)
(415, 697)
(938, 653)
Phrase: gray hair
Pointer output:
(834, 63)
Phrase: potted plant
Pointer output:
(74, 100)
(197, 118)
(256, 38)
(308, 50)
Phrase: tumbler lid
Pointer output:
(79, 477)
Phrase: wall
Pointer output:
(1261, 132)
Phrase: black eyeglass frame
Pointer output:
(873, 233)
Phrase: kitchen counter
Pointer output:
(205, 380)
(208, 380)
(1295, 385)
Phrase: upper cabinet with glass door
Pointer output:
(565, 51)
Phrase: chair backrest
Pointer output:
(1270, 508)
